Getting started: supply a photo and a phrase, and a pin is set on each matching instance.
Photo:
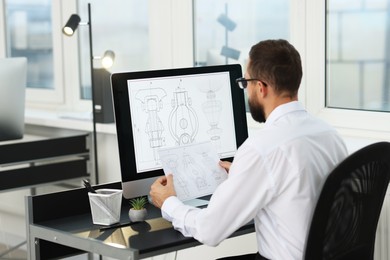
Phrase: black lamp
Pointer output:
(107, 61)
(71, 25)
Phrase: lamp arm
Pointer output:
(93, 96)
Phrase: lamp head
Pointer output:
(108, 59)
(71, 25)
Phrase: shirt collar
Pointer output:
(284, 109)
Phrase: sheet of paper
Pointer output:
(195, 169)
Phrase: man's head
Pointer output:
(276, 64)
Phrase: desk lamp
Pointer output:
(107, 61)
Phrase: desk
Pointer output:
(60, 225)
(44, 155)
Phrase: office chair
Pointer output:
(346, 215)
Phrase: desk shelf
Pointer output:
(44, 156)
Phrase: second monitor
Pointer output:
(163, 108)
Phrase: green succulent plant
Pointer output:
(138, 203)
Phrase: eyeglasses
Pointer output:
(243, 82)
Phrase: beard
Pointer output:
(257, 110)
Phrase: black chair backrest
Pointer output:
(346, 216)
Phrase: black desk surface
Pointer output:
(151, 237)
(153, 234)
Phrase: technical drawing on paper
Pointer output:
(195, 169)
(183, 121)
(171, 160)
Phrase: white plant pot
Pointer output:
(137, 215)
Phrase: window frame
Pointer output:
(2, 30)
(349, 122)
(56, 94)
(167, 17)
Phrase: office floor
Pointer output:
(19, 253)
(10, 251)
(12, 246)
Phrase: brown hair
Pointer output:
(278, 63)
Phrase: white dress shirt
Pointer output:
(275, 178)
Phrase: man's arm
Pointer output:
(235, 202)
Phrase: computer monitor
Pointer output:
(164, 108)
(13, 77)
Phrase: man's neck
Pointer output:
(277, 101)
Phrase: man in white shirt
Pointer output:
(276, 174)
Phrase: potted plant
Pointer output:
(138, 211)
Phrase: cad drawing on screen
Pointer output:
(183, 121)
(151, 100)
(159, 105)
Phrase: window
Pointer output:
(358, 54)
(33, 30)
(321, 81)
(28, 31)
(121, 26)
(224, 30)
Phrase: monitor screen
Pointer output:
(13, 78)
(165, 108)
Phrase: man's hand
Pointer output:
(162, 189)
(225, 164)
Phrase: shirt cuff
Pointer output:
(169, 206)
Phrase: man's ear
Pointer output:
(263, 88)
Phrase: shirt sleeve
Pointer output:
(234, 203)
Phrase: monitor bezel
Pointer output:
(119, 84)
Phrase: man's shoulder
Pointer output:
(274, 136)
